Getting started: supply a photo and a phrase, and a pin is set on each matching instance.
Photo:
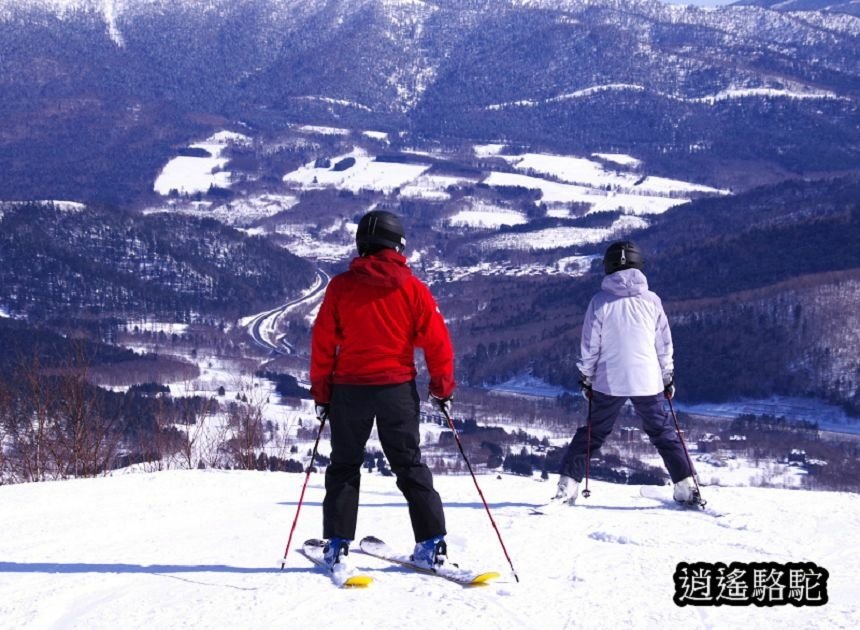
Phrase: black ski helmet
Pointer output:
(379, 229)
(622, 255)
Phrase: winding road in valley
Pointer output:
(263, 327)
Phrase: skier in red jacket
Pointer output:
(362, 367)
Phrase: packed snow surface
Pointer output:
(202, 549)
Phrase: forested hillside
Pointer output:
(766, 307)
(93, 100)
(104, 263)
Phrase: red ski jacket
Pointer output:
(371, 320)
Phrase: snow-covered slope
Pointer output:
(200, 549)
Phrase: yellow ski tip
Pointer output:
(358, 581)
(484, 578)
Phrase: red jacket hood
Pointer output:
(385, 268)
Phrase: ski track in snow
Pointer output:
(201, 549)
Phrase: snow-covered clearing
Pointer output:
(322, 130)
(802, 92)
(598, 200)
(488, 150)
(364, 174)
(484, 215)
(435, 272)
(593, 184)
(376, 135)
(573, 170)
(553, 192)
(432, 187)
(201, 549)
(189, 175)
(551, 238)
(335, 245)
(619, 158)
(765, 92)
(666, 186)
(240, 211)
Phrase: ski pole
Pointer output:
(302, 496)
(475, 479)
(586, 492)
(702, 502)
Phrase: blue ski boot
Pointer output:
(335, 552)
(431, 553)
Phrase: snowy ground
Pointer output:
(489, 216)
(365, 173)
(239, 212)
(550, 238)
(186, 174)
(568, 185)
(201, 549)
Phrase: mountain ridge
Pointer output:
(741, 83)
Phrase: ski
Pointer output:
(348, 578)
(552, 507)
(377, 548)
(659, 493)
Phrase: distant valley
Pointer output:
(179, 182)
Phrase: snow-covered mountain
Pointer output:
(690, 86)
(493, 126)
(851, 7)
(202, 549)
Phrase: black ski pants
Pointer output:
(655, 423)
(396, 409)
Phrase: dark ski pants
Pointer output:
(655, 423)
(396, 408)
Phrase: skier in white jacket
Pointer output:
(626, 353)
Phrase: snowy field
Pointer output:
(189, 175)
(239, 212)
(575, 170)
(201, 549)
(550, 238)
(365, 173)
(553, 192)
(432, 187)
(488, 216)
(322, 130)
(333, 244)
(569, 186)
(621, 159)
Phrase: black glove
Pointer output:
(444, 404)
(669, 386)
(585, 388)
(322, 410)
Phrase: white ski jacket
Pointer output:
(626, 342)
